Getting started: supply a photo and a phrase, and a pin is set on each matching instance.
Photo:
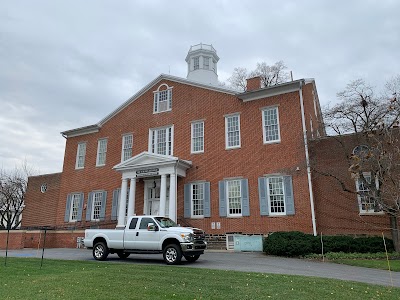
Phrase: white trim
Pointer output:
(227, 198)
(192, 137)
(156, 93)
(98, 152)
(151, 130)
(123, 146)
(269, 198)
(263, 125)
(191, 200)
(227, 147)
(77, 156)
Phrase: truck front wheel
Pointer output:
(172, 254)
(100, 251)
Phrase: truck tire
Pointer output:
(172, 254)
(192, 258)
(123, 254)
(100, 251)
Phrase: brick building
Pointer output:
(202, 154)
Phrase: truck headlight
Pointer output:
(187, 237)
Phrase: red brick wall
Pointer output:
(41, 208)
(253, 84)
(252, 160)
(338, 211)
(15, 239)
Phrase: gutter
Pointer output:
(303, 121)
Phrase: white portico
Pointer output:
(159, 173)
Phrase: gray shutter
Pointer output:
(222, 199)
(103, 206)
(80, 208)
(187, 207)
(68, 208)
(262, 193)
(89, 207)
(289, 199)
(245, 197)
(114, 208)
(207, 204)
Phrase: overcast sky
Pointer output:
(67, 64)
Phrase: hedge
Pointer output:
(295, 243)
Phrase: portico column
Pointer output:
(163, 194)
(122, 203)
(172, 197)
(131, 203)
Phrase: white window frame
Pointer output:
(263, 111)
(104, 152)
(126, 147)
(227, 184)
(192, 208)
(75, 201)
(196, 63)
(171, 140)
(227, 146)
(206, 62)
(195, 138)
(98, 205)
(80, 152)
(359, 197)
(157, 94)
(271, 213)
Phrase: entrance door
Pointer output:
(154, 201)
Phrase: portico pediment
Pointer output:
(150, 163)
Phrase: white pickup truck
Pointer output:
(148, 234)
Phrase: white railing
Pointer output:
(202, 46)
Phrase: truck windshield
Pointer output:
(165, 222)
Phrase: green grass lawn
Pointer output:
(22, 278)
(371, 263)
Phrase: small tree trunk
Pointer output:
(394, 225)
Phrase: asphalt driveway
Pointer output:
(237, 261)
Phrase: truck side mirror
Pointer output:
(151, 227)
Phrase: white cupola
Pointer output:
(202, 62)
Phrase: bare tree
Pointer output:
(269, 75)
(373, 124)
(12, 194)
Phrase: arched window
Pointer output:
(162, 98)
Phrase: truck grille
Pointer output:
(198, 234)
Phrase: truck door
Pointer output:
(145, 239)
(130, 234)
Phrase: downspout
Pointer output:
(303, 121)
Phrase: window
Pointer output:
(161, 140)
(162, 99)
(145, 222)
(197, 200)
(270, 118)
(127, 143)
(232, 131)
(197, 137)
(101, 152)
(80, 156)
(196, 63)
(366, 202)
(233, 195)
(96, 206)
(206, 63)
(74, 207)
(197, 193)
(276, 195)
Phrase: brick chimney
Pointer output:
(253, 83)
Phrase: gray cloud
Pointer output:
(68, 64)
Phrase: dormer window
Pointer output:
(162, 99)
